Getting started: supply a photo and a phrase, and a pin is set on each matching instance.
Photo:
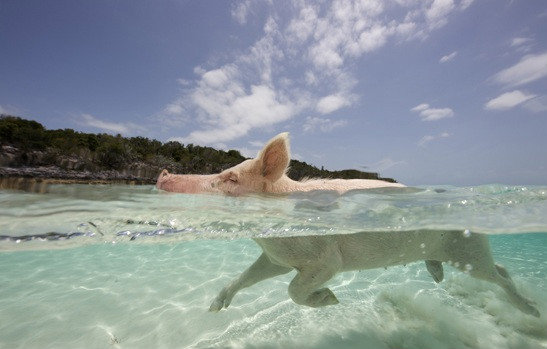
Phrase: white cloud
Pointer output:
(530, 68)
(230, 112)
(324, 124)
(299, 64)
(231, 100)
(437, 14)
(436, 114)
(449, 57)
(174, 108)
(349, 29)
(508, 100)
(372, 39)
(215, 78)
(521, 44)
(241, 11)
(464, 4)
(198, 70)
(520, 41)
(301, 28)
(420, 107)
(328, 104)
(432, 114)
(426, 139)
(112, 127)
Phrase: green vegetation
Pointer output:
(33, 145)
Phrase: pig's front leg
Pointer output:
(261, 269)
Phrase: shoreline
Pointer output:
(37, 179)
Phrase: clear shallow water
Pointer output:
(88, 214)
(144, 266)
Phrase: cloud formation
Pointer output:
(448, 58)
(240, 11)
(329, 104)
(522, 44)
(323, 124)
(300, 64)
(432, 114)
(110, 127)
(426, 139)
(518, 41)
(530, 68)
(508, 100)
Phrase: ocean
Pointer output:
(113, 266)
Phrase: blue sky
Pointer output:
(427, 92)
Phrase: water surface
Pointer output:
(132, 267)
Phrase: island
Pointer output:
(32, 157)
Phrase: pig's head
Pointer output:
(262, 174)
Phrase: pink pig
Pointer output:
(265, 174)
(318, 258)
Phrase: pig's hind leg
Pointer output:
(305, 288)
(472, 254)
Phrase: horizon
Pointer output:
(428, 93)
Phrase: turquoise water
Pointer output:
(132, 267)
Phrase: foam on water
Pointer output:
(135, 295)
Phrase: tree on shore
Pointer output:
(108, 152)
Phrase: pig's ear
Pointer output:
(274, 157)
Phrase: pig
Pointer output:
(265, 174)
(317, 259)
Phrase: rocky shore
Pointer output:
(67, 176)
(37, 179)
(34, 170)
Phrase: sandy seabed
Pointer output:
(157, 295)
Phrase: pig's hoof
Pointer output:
(321, 298)
(435, 268)
(527, 306)
(216, 306)
(223, 300)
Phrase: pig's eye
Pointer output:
(231, 177)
